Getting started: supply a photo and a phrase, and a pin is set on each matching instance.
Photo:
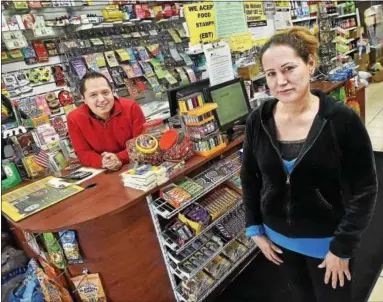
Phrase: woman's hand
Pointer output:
(336, 268)
(268, 249)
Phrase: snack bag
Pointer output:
(89, 288)
(54, 251)
(70, 247)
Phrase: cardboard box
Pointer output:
(364, 59)
(378, 76)
(363, 66)
(249, 72)
(356, 34)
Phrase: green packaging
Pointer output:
(55, 252)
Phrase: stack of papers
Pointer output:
(145, 177)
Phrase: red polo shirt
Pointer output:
(91, 136)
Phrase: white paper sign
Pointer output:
(262, 29)
(283, 18)
(218, 62)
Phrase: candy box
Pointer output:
(174, 195)
(29, 54)
(196, 217)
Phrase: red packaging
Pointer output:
(34, 4)
(41, 51)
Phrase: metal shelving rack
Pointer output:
(178, 249)
(167, 211)
(235, 265)
(168, 246)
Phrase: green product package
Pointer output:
(335, 94)
(160, 73)
(169, 77)
(55, 252)
(342, 94)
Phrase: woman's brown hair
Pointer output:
(298, 38)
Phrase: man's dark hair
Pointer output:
(91, 74)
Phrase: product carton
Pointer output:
(378, 76)
(249, 72)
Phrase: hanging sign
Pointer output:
(200, 20)
(241, 42)
(269, 8)
(229, 19)
(254, 12)
(282, 15)
(219, 63)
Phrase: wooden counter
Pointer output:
(116, 234)
(328, 87)
(325, 86)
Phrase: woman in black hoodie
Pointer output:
(308, 176)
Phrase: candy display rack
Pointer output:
(204, 294)
(178, 255)
(166, 210)
(178, 249)
(195, 115)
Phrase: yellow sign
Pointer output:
(258, 42)
(282, 4)
(240, 42)
(254, 11)
(200, 20)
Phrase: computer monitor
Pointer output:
(186, 89)
(233, 103)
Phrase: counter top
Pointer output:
(108, 197)
(325, 86)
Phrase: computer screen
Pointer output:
(232, 101)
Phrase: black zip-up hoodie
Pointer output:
(332, 188)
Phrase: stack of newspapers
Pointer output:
(145, 177)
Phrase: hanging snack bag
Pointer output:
(89, 288)
(54, 251)
(70, 247)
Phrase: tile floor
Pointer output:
(377, 293)
(374, 124)
(374, 115)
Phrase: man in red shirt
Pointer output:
(100, 128)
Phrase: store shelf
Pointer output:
(344, 66)
(201, 110)
(346, 29)
(348, 40)
(21, 65)
(259, 77)
(185, 276)
(166, 210)
(345, 54)
(42, 89)
(345, 16)
(56, 9)
(304, 19)
(201, 122)
(218, 282)
(175, 247)
(351, 51)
